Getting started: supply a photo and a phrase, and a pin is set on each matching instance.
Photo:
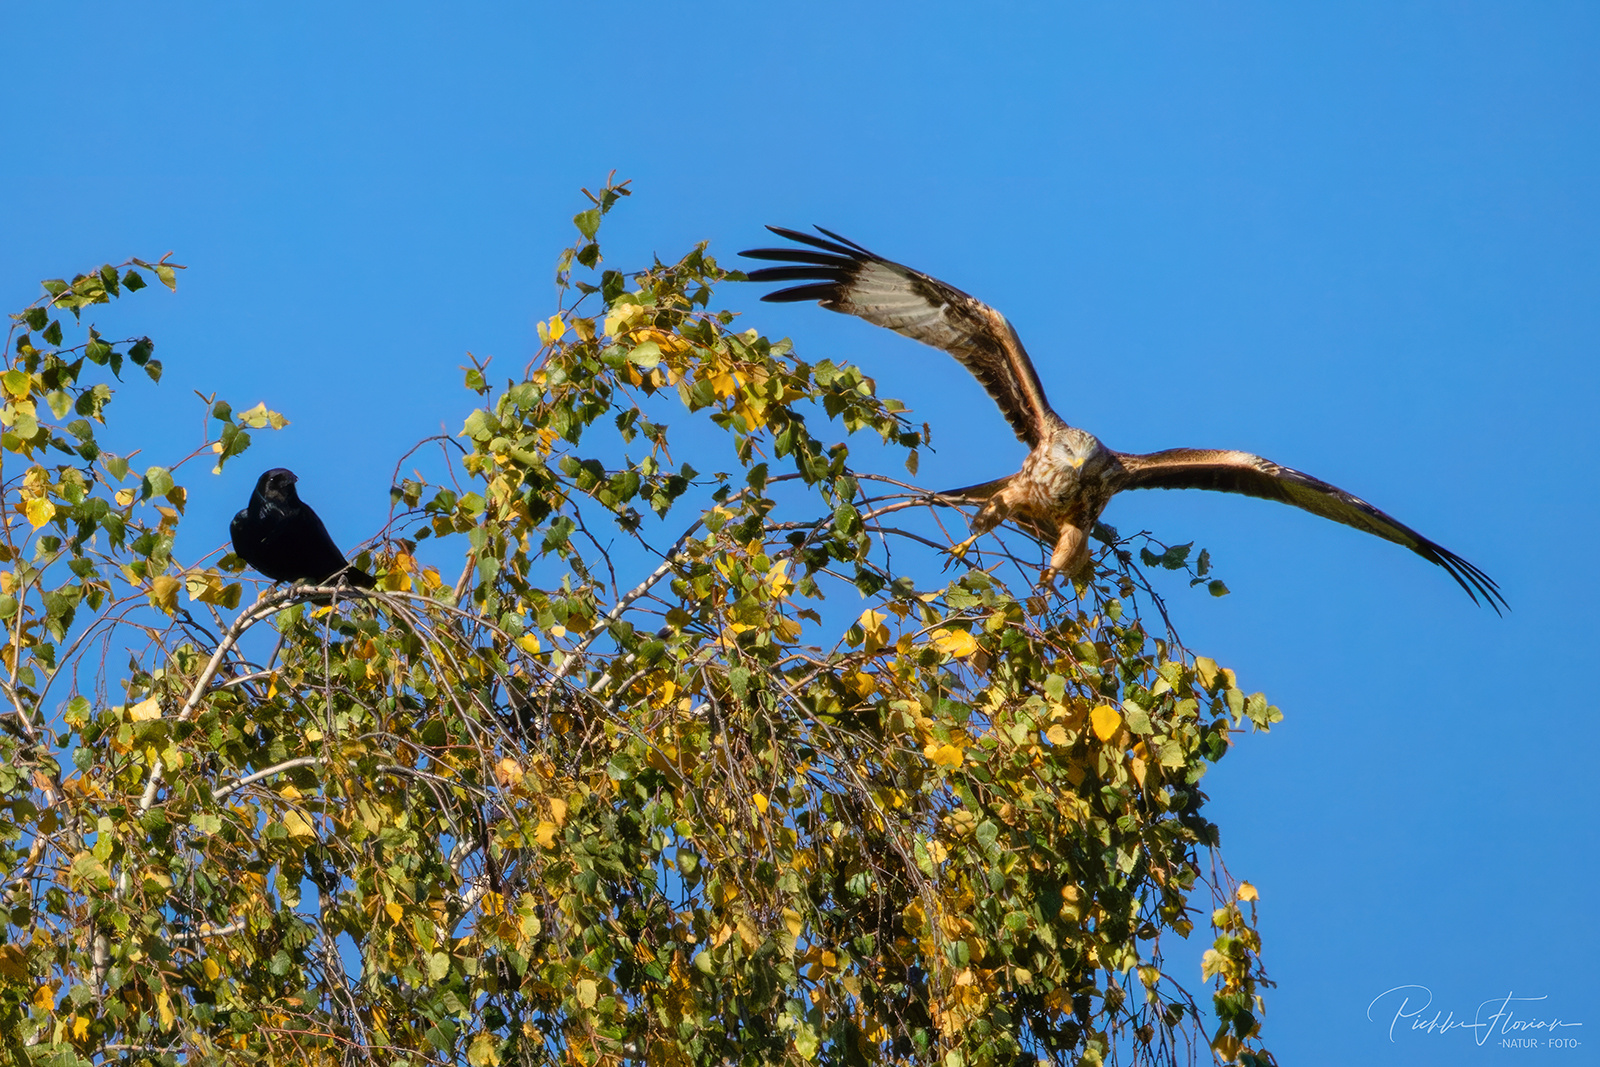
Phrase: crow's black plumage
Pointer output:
(280, 536)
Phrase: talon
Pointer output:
(959, 551)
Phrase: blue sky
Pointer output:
(1360, 239)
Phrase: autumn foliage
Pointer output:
(692, 751)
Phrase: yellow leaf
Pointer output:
(395, 581)
(1248, 892)
(164, 592)
(1106, 721)
(829, 959)
(484, 1051)
(793, 922)
(872, 623)
(1057, 735)
(778, 578)
(943, 755)
(1206, 668)
(558, 811)
(508, 772)
(546, 834)
(296, 825)
(957, 643)
(760, 801)
(258, 417)
(619, 318)
(40, 511)
(861, 684)
(1137, 767)
(126, 497)
(395, 911)
(529, 642)
(937, 852)
(145, 710)
(80, 1027)
(587, 992)
(44, 998)
(164, 1009)
(551, 330)
(213, 972)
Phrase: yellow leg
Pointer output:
(960, 550)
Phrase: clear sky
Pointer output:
(1361, 239)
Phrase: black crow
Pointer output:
(281, 537)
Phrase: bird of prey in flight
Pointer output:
(280, 536)
(1070, 475)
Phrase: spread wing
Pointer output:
(845, 277)
(1240, 472)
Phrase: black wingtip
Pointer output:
(1470, 578)
(846, 241)
(839, 246)
(828, 269)
(826, 293)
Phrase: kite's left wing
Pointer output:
(845, 277)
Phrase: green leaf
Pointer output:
(1137, 718)
(157, 482)
(587, 222)
(645, 355)
(1175, 557)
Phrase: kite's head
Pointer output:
(1074, 448)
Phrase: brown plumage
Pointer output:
(1069, 476)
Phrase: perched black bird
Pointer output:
(281, 537)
